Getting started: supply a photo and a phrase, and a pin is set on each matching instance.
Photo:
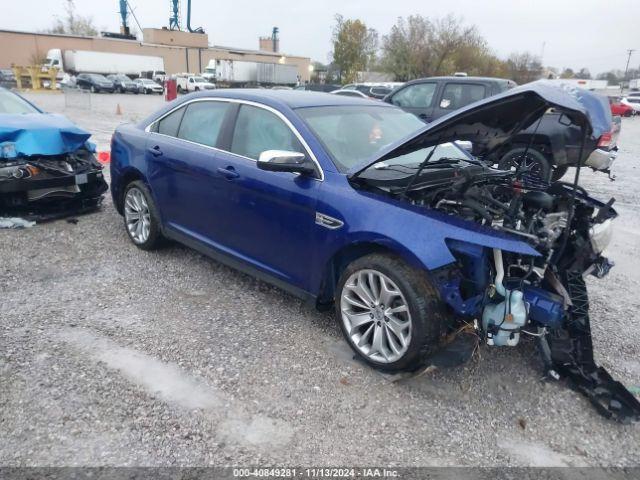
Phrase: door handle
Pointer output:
(229, 173)
(155, 151)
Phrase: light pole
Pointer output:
(626, 70)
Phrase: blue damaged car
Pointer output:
(47, 164)
(358, 206)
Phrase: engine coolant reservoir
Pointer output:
(510, 315)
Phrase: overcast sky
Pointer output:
(576, 33)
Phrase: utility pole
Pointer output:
(626, 69)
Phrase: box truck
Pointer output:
(277, 74)
(84, 61)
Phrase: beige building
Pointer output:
(181, 51)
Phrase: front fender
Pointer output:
(417, 233)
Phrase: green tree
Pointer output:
(73, 23)
(568, 73)
(354, 47)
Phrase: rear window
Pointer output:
(169, 125)
(419, 95)
(202, 122)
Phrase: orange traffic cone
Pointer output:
(118, 110)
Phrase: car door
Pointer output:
(456, 95)
(417, 98)
(270, 216)
(183, 166)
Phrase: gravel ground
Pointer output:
(114, 356)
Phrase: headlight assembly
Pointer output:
(601, 235)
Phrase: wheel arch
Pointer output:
(131, 174)
(539, 141)
(345, 255)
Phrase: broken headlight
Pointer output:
(17, 171)
(600, 235)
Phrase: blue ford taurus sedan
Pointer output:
(360, 206)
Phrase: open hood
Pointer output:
(490, 122)
(39, 134)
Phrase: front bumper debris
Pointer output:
(569, 354)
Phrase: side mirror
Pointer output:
(283, 161)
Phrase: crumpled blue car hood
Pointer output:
(39, 134)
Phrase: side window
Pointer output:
(202, 122)
(415, 96)
(169, 124)
(258, 130)
(457, 95)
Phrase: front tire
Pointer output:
(389, 312)
(141, 219)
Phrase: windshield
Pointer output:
(352, 134)
(414, 159)
(13, 104)
(99, 78)
(199, 80)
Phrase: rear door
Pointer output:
(417, 98)
(184, 168)
(456, 95)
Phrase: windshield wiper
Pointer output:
(419, 171)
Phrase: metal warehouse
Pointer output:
(181, 51)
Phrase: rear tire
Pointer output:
(400, 334)
(141, 219)
(541, 167)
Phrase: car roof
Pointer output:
(287, 98)
(463, 79)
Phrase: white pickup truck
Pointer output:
(192, 83)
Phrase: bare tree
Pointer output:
(584, 74)
(523, 67)
(73, 23)
(419, 47)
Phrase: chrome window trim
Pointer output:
(279, 114)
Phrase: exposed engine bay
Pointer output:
(507, 295)
(45, 187)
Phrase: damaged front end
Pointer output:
(48, 169)
(505, 294)
(508, 295)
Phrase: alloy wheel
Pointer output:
(526, 163)
(376, 316)
(137, 215)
